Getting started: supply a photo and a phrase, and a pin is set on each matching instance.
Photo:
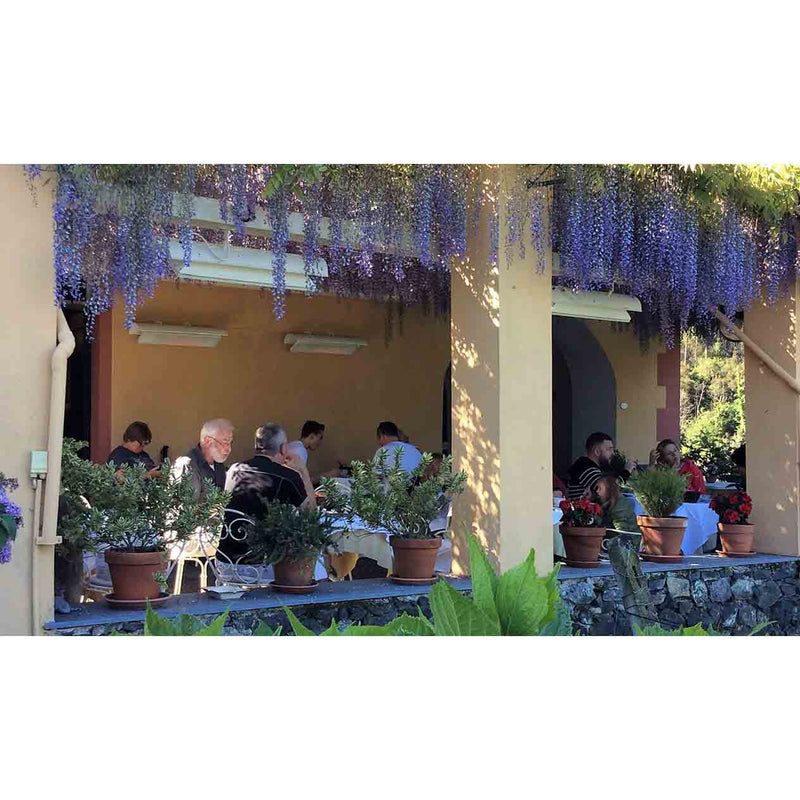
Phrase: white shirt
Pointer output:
(409, 460)
(297, 448)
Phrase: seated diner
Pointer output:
(668, 454)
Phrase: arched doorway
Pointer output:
(584, 390)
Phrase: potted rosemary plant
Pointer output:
(735, 531)
(660, 492)
(582, 531)
(387, 498)
(135, 519)
(291, 539)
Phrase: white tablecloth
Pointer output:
(701, 525)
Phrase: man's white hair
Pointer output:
(215, 427)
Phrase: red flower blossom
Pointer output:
(731, 517)
(565, 505)
(746, 509)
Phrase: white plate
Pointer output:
(225, 592)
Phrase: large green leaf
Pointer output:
(262, 629)
(157, 626)
(457, 615)
(522, 599)
(215, 628)
(484, 578)
(561, 625)
(297, 626)
(188, 625)
(406, 625)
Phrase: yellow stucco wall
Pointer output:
(773, 427)
(251, 377)
(636, 374)
(26, 347)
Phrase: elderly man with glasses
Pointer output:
(206, 460)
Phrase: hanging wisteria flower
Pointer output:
(10, 517)
(682, 240)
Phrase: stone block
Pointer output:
(580, 593)
(657, 584)
(685, 607)
(789, 588)
(728, 615)
(743, 588)
(767, 594)
(613, 594)
(720, 590)
(700, 593)
(670, 620)
(678, 586)
(747, 616)
(603, 626)
(658, 598)
(785, 571)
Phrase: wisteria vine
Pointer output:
(670, 236)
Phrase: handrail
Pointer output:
(791, 382)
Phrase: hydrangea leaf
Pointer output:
(457, 615)
(522, 599)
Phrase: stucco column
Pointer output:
(501, 340)
(26, 349)
(773, 427)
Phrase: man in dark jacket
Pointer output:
(206, 460)
(585, 472)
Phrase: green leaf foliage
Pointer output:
(388, 498)
(457, 615)
(484, 579)
(297, 627)
(262, 629)
(523, 599)
(660, 490)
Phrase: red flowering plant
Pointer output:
(733, 509)
(581, 514)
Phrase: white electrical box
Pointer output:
(38, 463)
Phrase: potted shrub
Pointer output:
(660, 492)
(291, 540)
(135, 519)
(10, 517)
(735, 531)
(402, 503)
(81, 480)
(582, 530)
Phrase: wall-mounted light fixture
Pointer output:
(181, 335)
(331, 345)
(594, 305)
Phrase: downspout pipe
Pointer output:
(55, 436)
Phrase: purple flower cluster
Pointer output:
(651, 236)
(392, 231)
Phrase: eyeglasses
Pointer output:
(222, 444)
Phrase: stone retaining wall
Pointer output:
(317, 617)
(732, 599)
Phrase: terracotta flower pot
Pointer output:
(736, 538)
(295, 571)
(414, 558)
(132, 574)
(582, 544)
(662, 536)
